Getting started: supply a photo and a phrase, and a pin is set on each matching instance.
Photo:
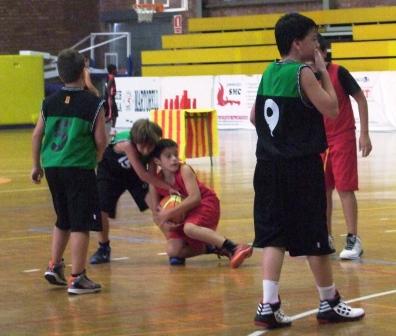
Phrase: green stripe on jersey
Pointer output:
(121, 137)
(280, 80)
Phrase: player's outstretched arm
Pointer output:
(100, 135)
(37, 137)
(364, 139)
(133, 156)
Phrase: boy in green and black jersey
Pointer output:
(290, 197)
(68, 140)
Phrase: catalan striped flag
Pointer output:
(194, 130)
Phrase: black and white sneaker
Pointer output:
(335, 310)
(271, 316)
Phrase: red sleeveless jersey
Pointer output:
(344, 124)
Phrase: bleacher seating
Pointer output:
(374, 32)
(323, 17)
(239, 38)
(246, 44)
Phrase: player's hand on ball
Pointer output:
(170, 226)
(167, 204)
(174, 192)
(161, 216)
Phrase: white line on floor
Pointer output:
(119, 258)
(21, 190)
(31, 270)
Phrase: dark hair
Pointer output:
(323, 43)
(144, 131)
(290, 27)
(111, 68)
(162, 145)
(70, 65)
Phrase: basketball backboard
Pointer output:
(169, 5)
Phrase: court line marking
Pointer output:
(4, 180)
(69, 265)
(22, 190)
(31, 270)
(390, 231)
(24, 237)
(314, 311)
(119, 258)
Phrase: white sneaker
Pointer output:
(353, 248)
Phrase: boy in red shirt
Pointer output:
(201, 206)
(340, 159)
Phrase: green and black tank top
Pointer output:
(69, 116)
(118, 162)
(287, 124)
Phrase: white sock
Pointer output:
(327, 293)
(270, 291)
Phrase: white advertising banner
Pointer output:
(233, 98)
(379, 89)
(136, 96)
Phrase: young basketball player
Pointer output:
(200, 206)
(340, 158)
(110, 93)
(126, 166)
(68, 140)
(290, 196)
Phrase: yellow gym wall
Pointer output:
(22, 89)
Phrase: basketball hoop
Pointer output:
(145, 11)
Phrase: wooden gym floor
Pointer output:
(142, 295)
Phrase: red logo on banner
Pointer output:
(220, 98)
(180, 103)
(177, 24)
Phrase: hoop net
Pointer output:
(146, 11)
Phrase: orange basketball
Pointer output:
(169, 202)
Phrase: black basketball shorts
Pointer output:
(290, 206)
(75, 198)
(113, 182)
